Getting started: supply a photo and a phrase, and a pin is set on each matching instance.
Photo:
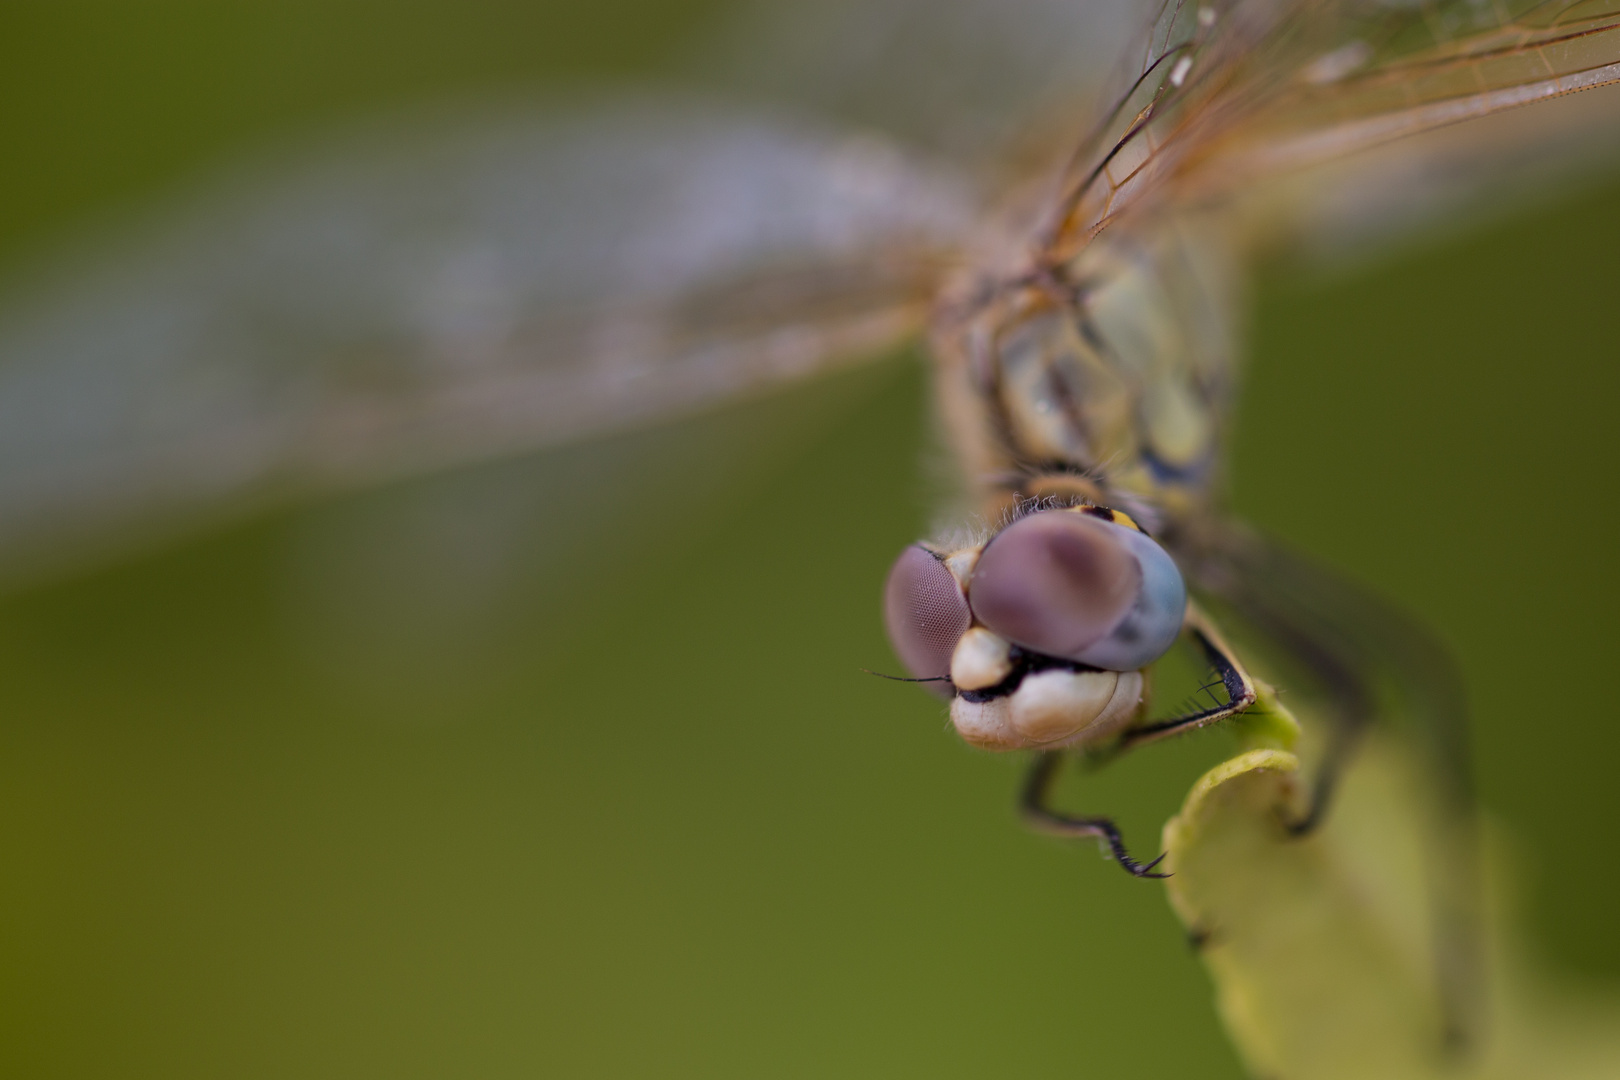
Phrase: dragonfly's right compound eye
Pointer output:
(926, 614)
(1069, 585)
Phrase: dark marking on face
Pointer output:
(1024, 664)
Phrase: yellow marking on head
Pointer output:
(1108, 513)
(1122, 518)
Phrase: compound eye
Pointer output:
(925, 612)
(1154, 620)
(1055, 582)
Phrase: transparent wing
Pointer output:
(423, 293)
(1174, 92)
(1221, 94)
(1390, 72)
(1450, 180)
(968, 77)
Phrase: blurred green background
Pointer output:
(566, 766)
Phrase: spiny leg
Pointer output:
(1243, 573)
(1039, 815)
(1367, 658)
(1240, 691)
(1043, 771)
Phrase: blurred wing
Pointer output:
(1394, 72)
(967, 77)
(435, 292)
(1222, 94)
(1449, 180)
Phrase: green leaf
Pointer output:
(1322, 949)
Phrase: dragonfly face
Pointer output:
(1041, 632)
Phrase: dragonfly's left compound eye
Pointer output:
(1073, 586)
(925, 612)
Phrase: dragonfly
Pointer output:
(427, 291)
(1088, 382)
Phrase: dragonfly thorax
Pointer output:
(1104, 379)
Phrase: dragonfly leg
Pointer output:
(1366, 659)
(1039, 815)
(1240, 692)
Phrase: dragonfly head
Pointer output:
(1039, 634)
